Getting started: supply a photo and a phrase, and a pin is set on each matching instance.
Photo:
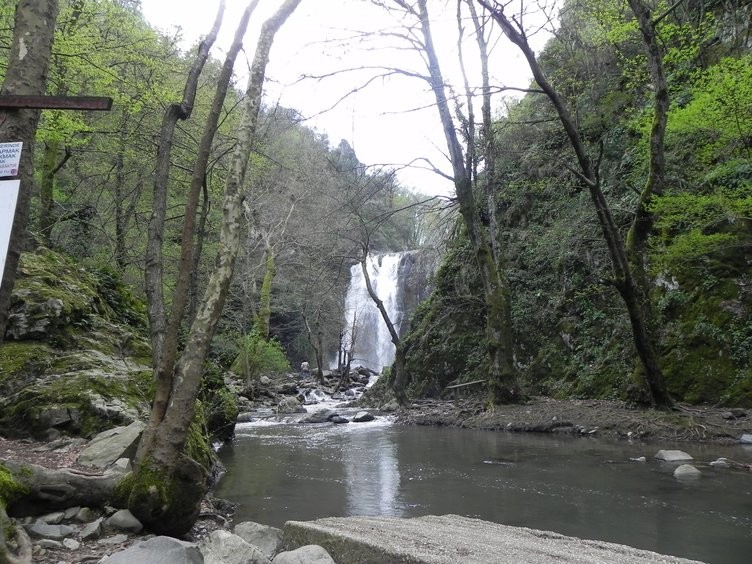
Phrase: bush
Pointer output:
(258, 356)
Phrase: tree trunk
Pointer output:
(503, 385)
(169, 486)
(264, 312)
(26, 73)
(153, 269)
(642, 223)
(630, 290)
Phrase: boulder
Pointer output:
(687, 471)
(746, 439)
(223, 547)
(308, 554)
(124, 520)
(672, 455)
(266, 538)
(721, 463)
(362, 417)
(54, 532)
(320, 416)
(164, 550)
(92, 530)
(74, 360)
(389, 407)
(109, 446)
(339, 420)
(53, 518)
(290, 405)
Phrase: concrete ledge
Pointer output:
(452, 539)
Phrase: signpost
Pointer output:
(10, 153)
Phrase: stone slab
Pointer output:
(449, 539)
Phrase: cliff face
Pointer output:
(75, 357)
(415, 273)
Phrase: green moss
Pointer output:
(122, 491)
(34, 406)
(167, 498)
(197, 444)
(20, 358)
(10, 488)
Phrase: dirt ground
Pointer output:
(612, 419)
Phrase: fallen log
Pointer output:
(49, 490)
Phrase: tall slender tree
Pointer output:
(502, 379)
(168, 485)
(632, 289)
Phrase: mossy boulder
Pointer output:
(73, 361)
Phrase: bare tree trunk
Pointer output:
(168, 486)
(264, 312)
(26, 73)
(503, 385)
(632, 294)
(166, 362)
(153, 270)
(193, 299)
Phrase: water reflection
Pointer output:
(372, 475)
(584, 488)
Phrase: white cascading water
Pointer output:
(373, 344)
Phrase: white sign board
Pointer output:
(8, 197)
(10, 156)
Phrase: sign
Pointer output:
(10, 156)
(8, 198)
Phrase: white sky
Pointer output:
(381, 121)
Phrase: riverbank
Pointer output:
(603, 418)
(577, 418)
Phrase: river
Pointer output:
(587, 488)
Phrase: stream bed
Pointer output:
(584, 487)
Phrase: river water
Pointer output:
(587, 488)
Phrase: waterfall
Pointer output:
(373, 345)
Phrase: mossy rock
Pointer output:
(71, 362)
(10, 488)
(81, 402)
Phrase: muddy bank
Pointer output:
(603, 418)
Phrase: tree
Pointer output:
(631, 288)
(502, 381)
(26, 73)
(168, 486)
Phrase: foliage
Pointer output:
(259, 356)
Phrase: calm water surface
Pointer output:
(582, 487)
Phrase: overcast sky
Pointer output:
(391, 122)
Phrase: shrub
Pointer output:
(257, 356)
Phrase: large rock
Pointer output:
(109, 446)
(687, 471)
(309, 554)
(451, 539)
(124, 520)
(54, 532)
(672, 455)
(223, 547)
(321, 416)
(158, 550)
(290, 405)
(363, 417)
(75, 359)
(266, 538)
